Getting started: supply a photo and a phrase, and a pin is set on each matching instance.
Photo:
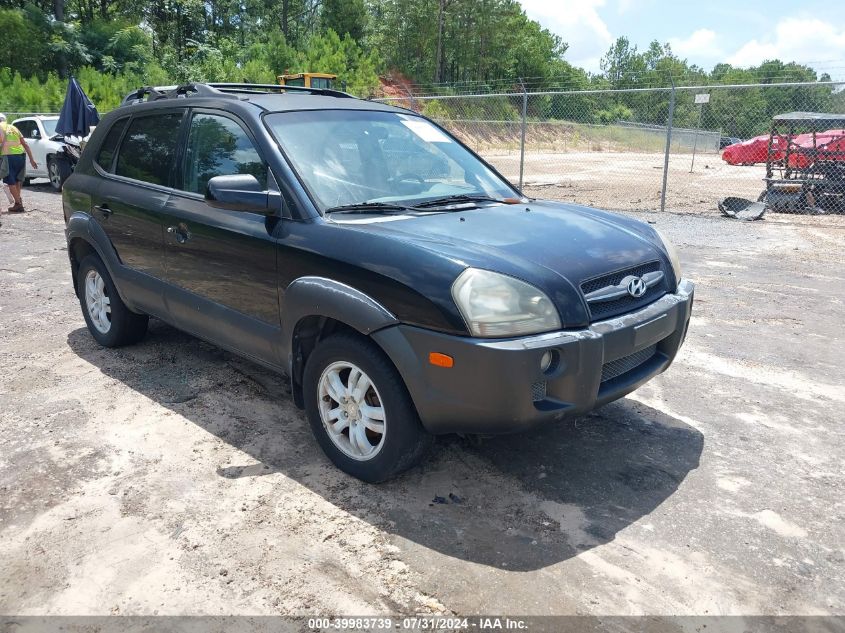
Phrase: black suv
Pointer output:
(404, 286)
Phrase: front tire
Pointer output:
(110, 322)
(54, 173)
(360, 411)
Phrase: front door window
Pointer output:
(218, 146)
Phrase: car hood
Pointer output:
(552, 245)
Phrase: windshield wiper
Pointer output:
(465, 197)
(369, 207)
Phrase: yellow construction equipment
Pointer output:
(308, 80)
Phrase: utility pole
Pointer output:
(59, 14)
(522, 141)
(669, 121)
(438, 62)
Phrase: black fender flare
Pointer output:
(322, 297)
(81, 226)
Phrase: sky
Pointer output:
(740, 32)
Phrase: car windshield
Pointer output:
(348, 157)
(49, 126)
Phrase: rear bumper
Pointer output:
(497, 386)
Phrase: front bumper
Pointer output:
(497, 386)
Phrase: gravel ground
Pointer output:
(173, 478)
(632, 180)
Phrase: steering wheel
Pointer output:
(410, 183)
(408, 177)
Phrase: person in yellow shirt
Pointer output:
(13, 146)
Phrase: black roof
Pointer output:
(269, 97)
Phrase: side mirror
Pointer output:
(238, 192)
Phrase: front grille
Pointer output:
(607, 309)
(616, 368)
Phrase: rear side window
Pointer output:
(105, 157)
(148, 149)
(217, 146)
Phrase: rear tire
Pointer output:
(348, 385)
(110, 322)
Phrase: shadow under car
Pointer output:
(517, 502)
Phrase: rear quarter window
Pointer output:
(148, 148)
(105, 157)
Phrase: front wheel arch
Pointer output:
(307, 334)
(315, 307)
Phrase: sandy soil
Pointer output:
(173, 478)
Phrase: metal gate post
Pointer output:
(668, 147)
(522, 141)
(695, 144)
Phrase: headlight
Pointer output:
(673, 255)
(495, 305)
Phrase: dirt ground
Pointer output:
(632, 180)
(174, 478)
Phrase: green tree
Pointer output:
(345, 17)
(25, 45)
(329, 53)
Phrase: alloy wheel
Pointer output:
(351, 410)
(55, 177)
(97, 301)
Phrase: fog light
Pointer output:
(548, 361)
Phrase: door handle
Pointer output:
(181, 233)
(103, 209)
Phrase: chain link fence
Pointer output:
(646, 149)
(685, 149)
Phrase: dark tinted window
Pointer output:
(147, 150)
(26, 128)
(109, 146)
(321, 82)
(217, 146)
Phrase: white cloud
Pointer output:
(579, 24)
(795, 39)
(625, 6)
(701, 44)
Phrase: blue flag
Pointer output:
(78, 114)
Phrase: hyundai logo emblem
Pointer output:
(637, 287)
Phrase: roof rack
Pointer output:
(154, 93)
(269, 88)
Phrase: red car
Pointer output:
(829, 145)
(754, 150)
